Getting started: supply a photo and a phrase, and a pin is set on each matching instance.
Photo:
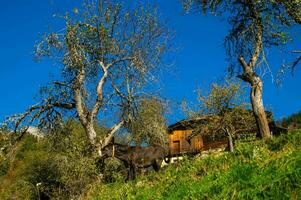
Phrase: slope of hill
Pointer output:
(60, 167)
(258, 170)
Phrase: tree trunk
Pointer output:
(256, 83)
(230, 138)
(91, 133)
(258, 108)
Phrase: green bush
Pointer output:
(29, 143)
(41, 170)
(114, 171)
(4, 166)
(58, 166)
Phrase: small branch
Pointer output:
(118, 91)
(40, 110)
(243, 63)
(118, 61)
(258, 35)
(296, 62)
(62, 84)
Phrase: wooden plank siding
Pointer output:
(181, 141)
(178, 142)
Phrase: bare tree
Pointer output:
(106, 56)
(255, 26)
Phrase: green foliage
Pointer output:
(221, 98)
(4, 166)
(114, 171)
(225, 113)
(59, 166)
(252, 172)
(149, 124)
(29, 143)
(41, 170)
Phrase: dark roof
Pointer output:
(187, 123)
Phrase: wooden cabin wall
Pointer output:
(178, 142)
(197, 143)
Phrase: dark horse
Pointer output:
(135, 157)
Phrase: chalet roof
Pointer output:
(187, 123)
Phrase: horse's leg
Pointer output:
(157, 164)
(129, 176)
(134, 170)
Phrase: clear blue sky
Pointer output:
(199, 61)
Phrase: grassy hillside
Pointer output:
(60, 167)
(256, 170)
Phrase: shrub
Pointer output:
(4, 166)
(41, 170)
(114, 171)
(59, 166)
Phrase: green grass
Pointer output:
(258, 170)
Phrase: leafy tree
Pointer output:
(255, 26)
(106, 57)
(149, 126)
(225, 111)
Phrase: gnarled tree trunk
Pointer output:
(256, 84)
(258, 108)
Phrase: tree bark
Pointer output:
(230, 138)
(258, 108)
(256, 83)
(91, 133)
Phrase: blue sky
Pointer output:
(199, 61)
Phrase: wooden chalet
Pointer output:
(180, 140)
(183, 138)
